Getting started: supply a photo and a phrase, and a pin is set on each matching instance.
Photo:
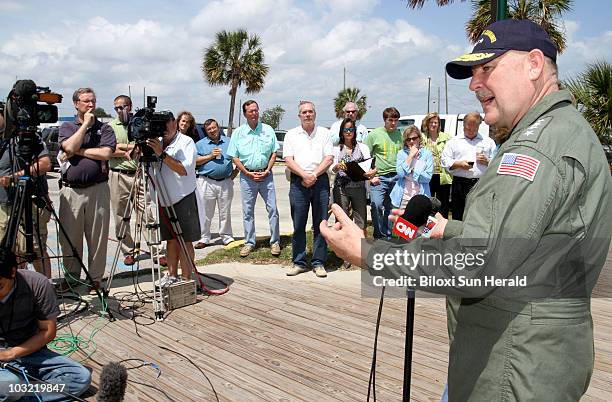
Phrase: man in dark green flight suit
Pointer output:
(538, 221)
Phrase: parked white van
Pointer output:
(451, 124)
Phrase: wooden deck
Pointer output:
(278, 338)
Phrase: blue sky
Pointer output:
(387, 50)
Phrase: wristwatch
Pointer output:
(162, 156)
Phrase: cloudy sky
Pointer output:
(388, 51)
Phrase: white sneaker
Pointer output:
(319, 271)
(166, 281)
(228, 240)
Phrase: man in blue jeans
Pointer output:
(384, 143)
(307, 150)
(253, 149)
(28, 321)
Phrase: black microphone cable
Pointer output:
(372, 380)
(212, 387)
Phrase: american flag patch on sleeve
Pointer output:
(519, 165)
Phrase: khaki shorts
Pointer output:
(40, 219)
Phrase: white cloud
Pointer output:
(10, 7)
(581, 52)
(346, 8)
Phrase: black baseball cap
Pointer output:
(497, 39)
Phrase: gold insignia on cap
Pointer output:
(490, 35)
(474, 56)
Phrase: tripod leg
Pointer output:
(153, 239)
(125, 219)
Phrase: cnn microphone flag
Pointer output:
(519, 165)
(404, 229)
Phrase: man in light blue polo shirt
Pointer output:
(215, 173)
(253, 147)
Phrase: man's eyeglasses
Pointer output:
(120, 107)
(87, 101)
(409, 139)
(348, 130)
(350, 111)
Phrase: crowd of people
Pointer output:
(99, 178)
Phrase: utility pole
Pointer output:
(446, 91)
(498, 10)
(344, 79)
(130, 91)
(240, 115)
(144, 96)
(428, 92)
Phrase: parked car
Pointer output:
(449, 123)
(280, 137)
(49, 136)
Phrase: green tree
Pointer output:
(592, 90)
(100, 112)
(235, 59)
(273, 116)
(546, 13)
(350, 95)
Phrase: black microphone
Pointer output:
(417, 213)
(113, 381)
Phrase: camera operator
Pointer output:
(11, 169)
(84, 209)
(121, 179)
(28, 321)
(177, 153)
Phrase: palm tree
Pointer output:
(592, 90)
(350, 95)
(235, 59)
(546, 13)
(419, 3)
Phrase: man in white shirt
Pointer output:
(308, 154)
(466, 157)
(351, 111)
(176, 175)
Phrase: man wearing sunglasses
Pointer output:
(121, 176)
(351, 111)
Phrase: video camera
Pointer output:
(27, 106)
(147, 123)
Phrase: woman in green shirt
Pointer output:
(435, 141)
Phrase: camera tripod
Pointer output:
(22, 206)
(148, 169)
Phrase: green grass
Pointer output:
(261, 254)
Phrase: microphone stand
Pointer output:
(410, 295)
